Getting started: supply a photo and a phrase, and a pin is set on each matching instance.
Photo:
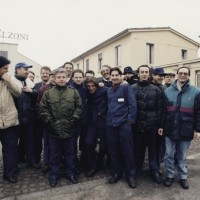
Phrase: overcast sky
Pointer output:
(60, 30)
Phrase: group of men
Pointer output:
(120, 114)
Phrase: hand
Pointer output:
(101, 84)
(129, 123)
(27, 89)
(196, 135)
(160, 131)
(6, 77)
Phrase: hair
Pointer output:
(90, 71)
(59, 70)
(92, 80)
(45, 68)
(186, 67)
(31, 72)
(69, 64)
(116, 69)
(138, 69)
(77, 71)
(4, 61)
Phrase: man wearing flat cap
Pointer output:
(130, 76)
(25, 105)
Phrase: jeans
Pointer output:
(179, 147)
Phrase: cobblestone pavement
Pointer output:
(32, 180)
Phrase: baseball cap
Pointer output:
(22, 64)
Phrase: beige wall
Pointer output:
(167, 49)
(14, 56)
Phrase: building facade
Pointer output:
(10, 51)
(137, 46)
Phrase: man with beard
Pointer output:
(130, 76)
(25, 105)
(182, 125)
(105, 79)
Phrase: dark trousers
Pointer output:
(95, 131)
(26, 143)
(9, 139)
(62, 147)
(142, 141)
(120, 144)
(38, 141)
(46, 149)
(160, 149)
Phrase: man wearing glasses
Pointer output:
(182, 125)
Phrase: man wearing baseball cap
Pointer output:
(26, 104)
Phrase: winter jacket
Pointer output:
(26, 102)
(8, 111)
(149, 106)
(97, 104)
(121, 105)
(183, 111)
(60, 109)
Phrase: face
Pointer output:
(169, 79)
(143, 73)
(44, 75)
(69, 69)
(31, 76)
(91, 87)
(116, 78)
(183, 75)
(157, 79)
(3, 70)
(105, 72)
(78, 78)
(61, 79)
(52, 79)
(23, 72)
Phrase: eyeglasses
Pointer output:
(182, 73)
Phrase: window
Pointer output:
(4, 53)
(118, 55)
(100, 61)
(149, 53)
(198, 78)
(87, 64)
(183, 54)
(78, 66)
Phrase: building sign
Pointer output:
(11, 35)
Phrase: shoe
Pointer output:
(33, 165)
(156, 178)
(114, 179)
(91, 173)
(53, 181)
(45, 168)
(73, 179)
(11, 179)
(132, 182)
(184, 183)
(168, 182)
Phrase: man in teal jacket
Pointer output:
(60, 109)
(182, 120)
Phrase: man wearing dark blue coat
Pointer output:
(183, 118)
(120, 117)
